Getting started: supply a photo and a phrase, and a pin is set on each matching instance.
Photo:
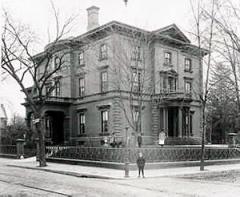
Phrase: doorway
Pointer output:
(55, 127)
(173, 122)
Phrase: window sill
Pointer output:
(81, 65)
(102, 59)
(136, 59)
(81, 97)
(103, 92)
(166, 64)
(104, 134)
(82, 135)
(189, 71)
(189, 94)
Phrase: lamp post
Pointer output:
(126, 167)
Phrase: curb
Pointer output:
(75, 174)
(133, 166)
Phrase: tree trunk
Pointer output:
(203, 139)
(42, 154)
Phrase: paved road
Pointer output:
(26, 182)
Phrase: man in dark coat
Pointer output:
(140, 164)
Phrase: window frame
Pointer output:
(136, 80)
(168, 82)
(56, 64)
(188, 66)
(186, 89)
(168, 60)
(81, 60)
(136, 53)
(103, 52)
(172, 84)
(57, 88)
(81, 123)
(104, 121)
(103, 81)
(81, 87)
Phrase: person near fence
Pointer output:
(141, 163)
(162, 137)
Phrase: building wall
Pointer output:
(178, 60)
(119, 65)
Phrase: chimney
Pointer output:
(92, 17)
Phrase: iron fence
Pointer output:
(8, 149)
(152, 154)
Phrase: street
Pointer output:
(16, 181)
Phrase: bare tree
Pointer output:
(18, 62)
(204, 35)
(132, 76)
(227, 22)
(229, 43)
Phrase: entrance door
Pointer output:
(56, 120)
(173, 122)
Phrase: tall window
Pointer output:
(56, 62)
(81, 86)
(81, 123)
(137, 53)
(167, 58)
(188, 86)
(48, 90)
(104, 81)
(57, 88)
(172, 81)
(136, 80)
(188, 65)
(168, 82)
(103, 52)
(135, 115)
(105, 121)
(81, 58)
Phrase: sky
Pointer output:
(38, 14)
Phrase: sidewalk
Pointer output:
(107, 173)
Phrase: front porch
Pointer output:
(176, 121)
(173, 114)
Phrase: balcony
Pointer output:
(53, 100)
(168, 96)
(59, 100)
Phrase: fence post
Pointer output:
(232, 140)
(37, 148)
(20, 148)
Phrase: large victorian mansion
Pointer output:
(116, 74)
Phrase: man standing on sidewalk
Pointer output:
(140, 164)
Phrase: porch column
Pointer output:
(188, 134)
(165, 119)
(66, 129)
(180, 121)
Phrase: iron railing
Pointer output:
(8, 149)
(152, 154)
